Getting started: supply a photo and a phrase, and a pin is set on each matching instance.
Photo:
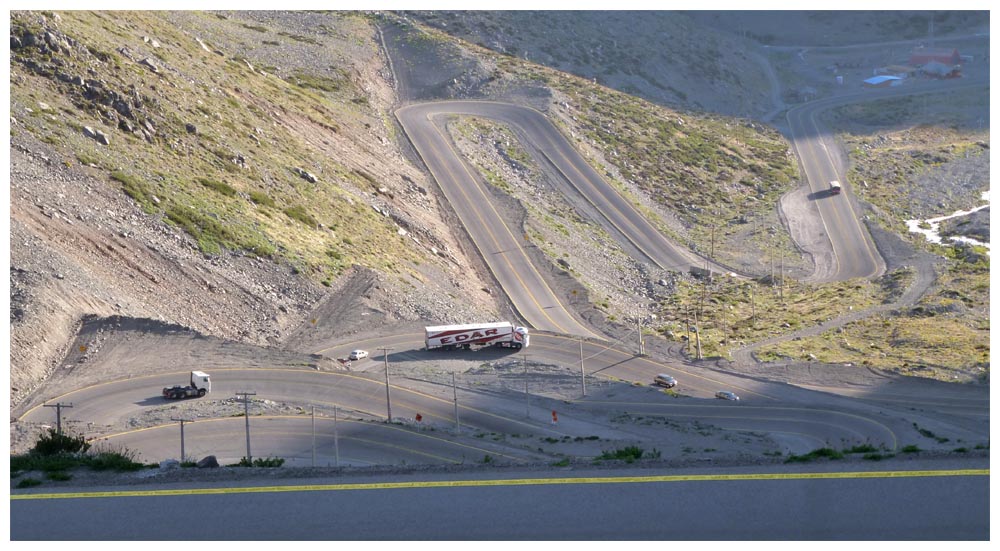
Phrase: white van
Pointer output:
(834, 188)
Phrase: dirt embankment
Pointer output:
(80, 247)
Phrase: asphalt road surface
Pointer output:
(502, 245)
(893, 505)
(802, 419)
(854, 253)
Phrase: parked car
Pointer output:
(727, 395)
(665, 380)
(357, 354)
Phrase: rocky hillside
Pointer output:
(227, 172)
(664, 57)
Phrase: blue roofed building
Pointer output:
(883, 81)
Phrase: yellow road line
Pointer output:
(508, 482)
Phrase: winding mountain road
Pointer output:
(502, 246)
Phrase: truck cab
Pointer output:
(201, 384)
(201, 380)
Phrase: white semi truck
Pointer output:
(201, 384)
(450, 337)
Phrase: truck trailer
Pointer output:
(450, 337)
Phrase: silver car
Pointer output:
(727, 395)
(665, 380)
(358, 354)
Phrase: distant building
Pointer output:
(935, 69)
(901, 71)
(923, 56)
(883, 81)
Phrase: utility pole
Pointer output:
(697, 336)
(246, 414)
(781, 290)
(770, 249)
(725, 322)
(583, 374)
(524, 362)
(638, 324)
(59, 406)
(687, 327)
(753, 308)
(388, 404)
(454, 392)
(314, 435)
(701, 303)
(713, 242)
(182, 421)
(336, 440)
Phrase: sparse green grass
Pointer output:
(55, 454)
(317, 82)
(928, 434)
(262, 198)
(628, 454)
(264, 462)
(864, 448)
(228, 103)
(730, 316)
(257, 28)
(28, 483)
(877, 456)
(894, 146)
(86, 159)
(824, 453)
(298, 212)
(135, 188)
(218, 187)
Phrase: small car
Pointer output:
(357, 354)
(665, 380)
(727, 395)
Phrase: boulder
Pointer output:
(149, 63)
(169, 464)
(208, 462)
(191, 129)
(311, 178)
